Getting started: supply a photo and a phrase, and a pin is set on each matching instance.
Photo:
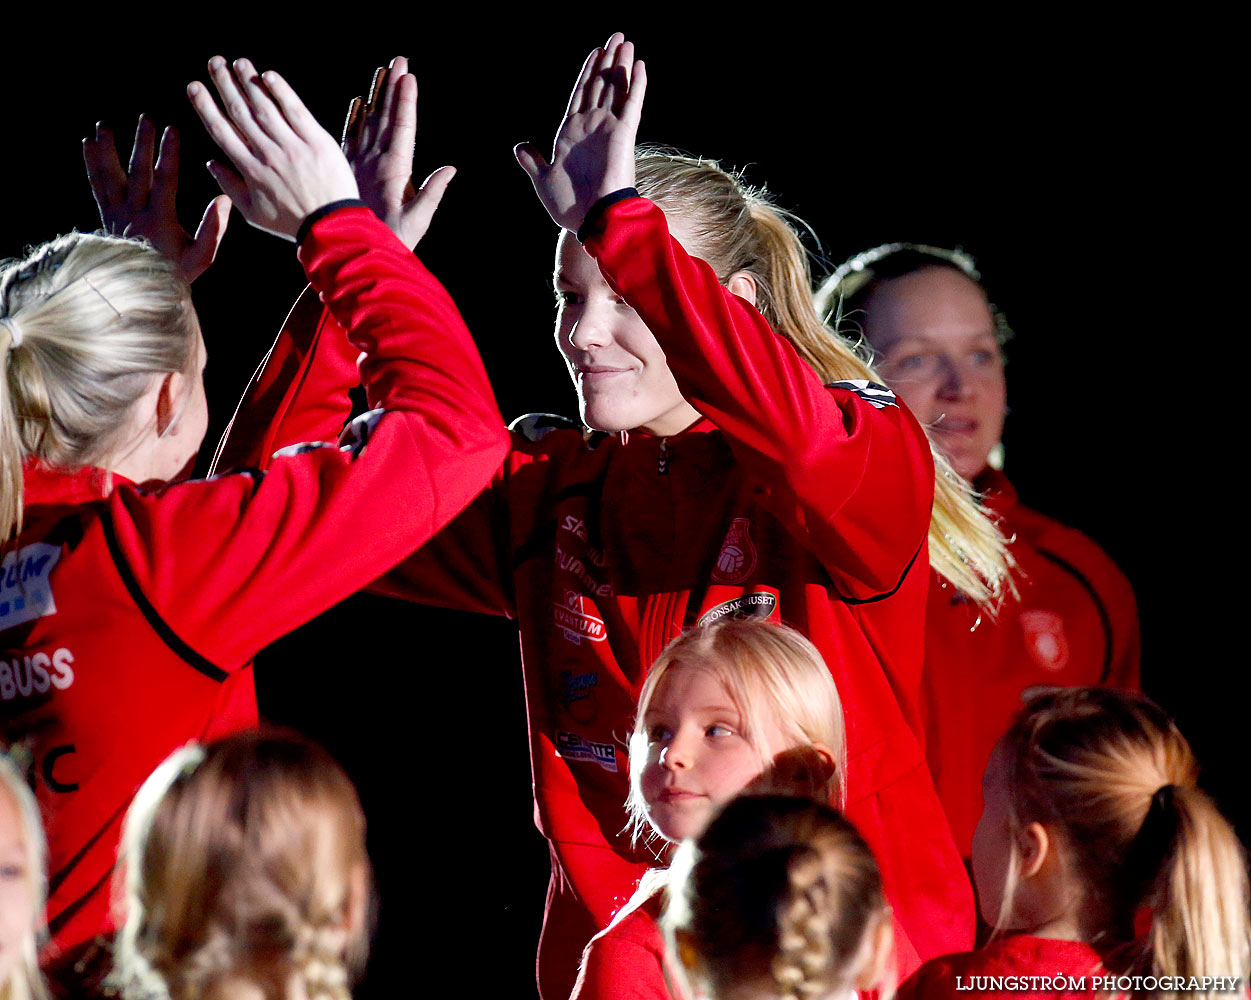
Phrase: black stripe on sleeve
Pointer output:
(171, 638)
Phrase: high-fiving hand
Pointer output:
(378, 140)
(594, 150)
(140, 201)
(285, 165)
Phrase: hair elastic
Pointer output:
(15, 331)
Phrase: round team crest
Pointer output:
(737, 557)
(1045, 639)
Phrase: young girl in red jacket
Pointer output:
(246, 875)
(720, 475)
(23, 888)
(778, 899)
(131, 604)
(1103, 867)
(726, 706)
(938, 340)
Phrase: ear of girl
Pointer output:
(1092, 820)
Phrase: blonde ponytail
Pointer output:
(85, 321)
(1198, 900)
(740, 230)
(1112, 772)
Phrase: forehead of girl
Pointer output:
(574, 266)
(692, 685)
(936, 304)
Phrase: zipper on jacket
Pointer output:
(662, 462)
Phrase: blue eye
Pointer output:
(717, 729)
(658, 734)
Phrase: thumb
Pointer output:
(532, 161)
(208, 237)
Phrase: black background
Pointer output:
(1074, 160)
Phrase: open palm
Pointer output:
(594, 150)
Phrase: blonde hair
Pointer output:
(738, 229)
(26, 983)
(776, 888)
(239, 865)
(85, 321)
(1112, 772)
(771, 672)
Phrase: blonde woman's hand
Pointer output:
(284, 165)
(140, 200)
(378, 140)
(594, 150)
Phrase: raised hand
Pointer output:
(378, 140)
(140, 201)
(594, 150)
(285, 165)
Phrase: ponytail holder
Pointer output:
(15, 331)
(1161, 801)
(1154, 843)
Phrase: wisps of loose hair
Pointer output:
(737, 228)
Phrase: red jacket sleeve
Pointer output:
(299, 393)
(848, 471)
(229, 564)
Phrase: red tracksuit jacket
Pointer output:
(128, 619)
(1075, 624)
(805, 503)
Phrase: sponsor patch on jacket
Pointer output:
(25, 591)
(871, 392)
(747, 606)
(571, 746)
(1045, 639)
(575, 619)
(737, 557)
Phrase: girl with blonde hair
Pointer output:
(23, 888)
(1099, 860)
(732, 705)
(246, 875)
(131, 603)
(778, 899)
(714, 473)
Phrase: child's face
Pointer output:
(992, 840)
(16, 917)
(697, 755)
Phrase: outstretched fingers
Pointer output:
(600, 79)
(139, 175)
(220, 129)
(579, 97)
(293, 109)
(104, 170)
(632, 109)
